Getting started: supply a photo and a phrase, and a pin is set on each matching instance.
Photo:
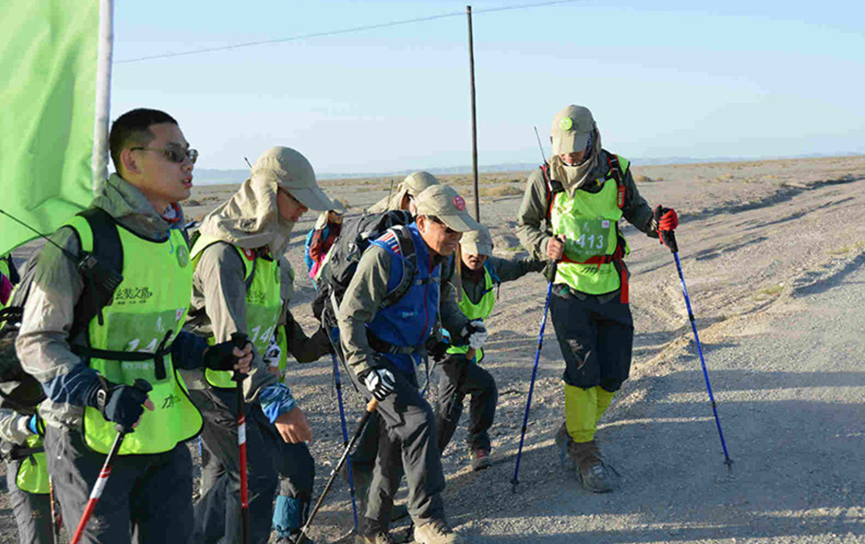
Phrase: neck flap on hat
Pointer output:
(574, 177)
(250, 218)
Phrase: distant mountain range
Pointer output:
(206, 176)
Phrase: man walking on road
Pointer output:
(242, 283)
(88, 373)
(383, 344)
(580, 197)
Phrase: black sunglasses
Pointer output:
(173, 154)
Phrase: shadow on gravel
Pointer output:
(814, 283)
(784, 486)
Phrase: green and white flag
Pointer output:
(55, 57)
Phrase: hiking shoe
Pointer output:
(480, 459)
(378, 538)
(436, 532)
(593, 474)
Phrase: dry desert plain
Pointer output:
(773, 255)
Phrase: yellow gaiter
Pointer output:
(583, 410)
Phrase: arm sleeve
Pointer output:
(514, 269)
(220, 277)
(636, 211)
(187, 351)
(42, 344)
(359, 306)
(317, 243)
(532, 212)
(305, 349)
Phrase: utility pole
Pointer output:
(474, 117)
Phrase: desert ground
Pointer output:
(773, 254)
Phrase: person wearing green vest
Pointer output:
(579, 197)
(87, 369)
(242, 283)
(26, 477)
(474, 283)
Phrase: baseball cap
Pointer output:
(477, 242)
(292, 171)
(571, 130)
(446, 204)
(416, 182)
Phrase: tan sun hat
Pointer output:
(477, 242)
(416, 182)
(292, 171)
(571, 129)
(446, 204)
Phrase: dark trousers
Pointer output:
(406, 444)
(32, 510)
(459, 377)
(270, 462)
(148, 498)
(596, 340)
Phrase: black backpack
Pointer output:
(101, 269)
(355, 237)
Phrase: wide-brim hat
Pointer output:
(292, 171)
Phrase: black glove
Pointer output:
(437, 350)
(221, 356)
(379, 381)
(123, 404)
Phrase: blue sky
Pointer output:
(663, 78)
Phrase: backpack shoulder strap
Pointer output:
(619, 175)
(552, 189)
(406, 250)
(101, 270)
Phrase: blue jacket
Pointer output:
(410, 321)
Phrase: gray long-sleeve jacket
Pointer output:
(533, 209)
(363, 299)
(14, 427)
(218, 288)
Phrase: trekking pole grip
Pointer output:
(239, 339)
(372, 405)
(143, 385)
(668, 237)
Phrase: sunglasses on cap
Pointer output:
(173, 154)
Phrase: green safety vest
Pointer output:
(263, 303)
(146, 313)
(32, 474)
(589, 222)
(481, 310)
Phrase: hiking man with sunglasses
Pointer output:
(87, 369)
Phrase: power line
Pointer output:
(337, 32)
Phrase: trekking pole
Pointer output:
(553, 271)
(56, 520)
(370, 408)
(669, 239)
(338, 385)
(240, 340)
(99, 486)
